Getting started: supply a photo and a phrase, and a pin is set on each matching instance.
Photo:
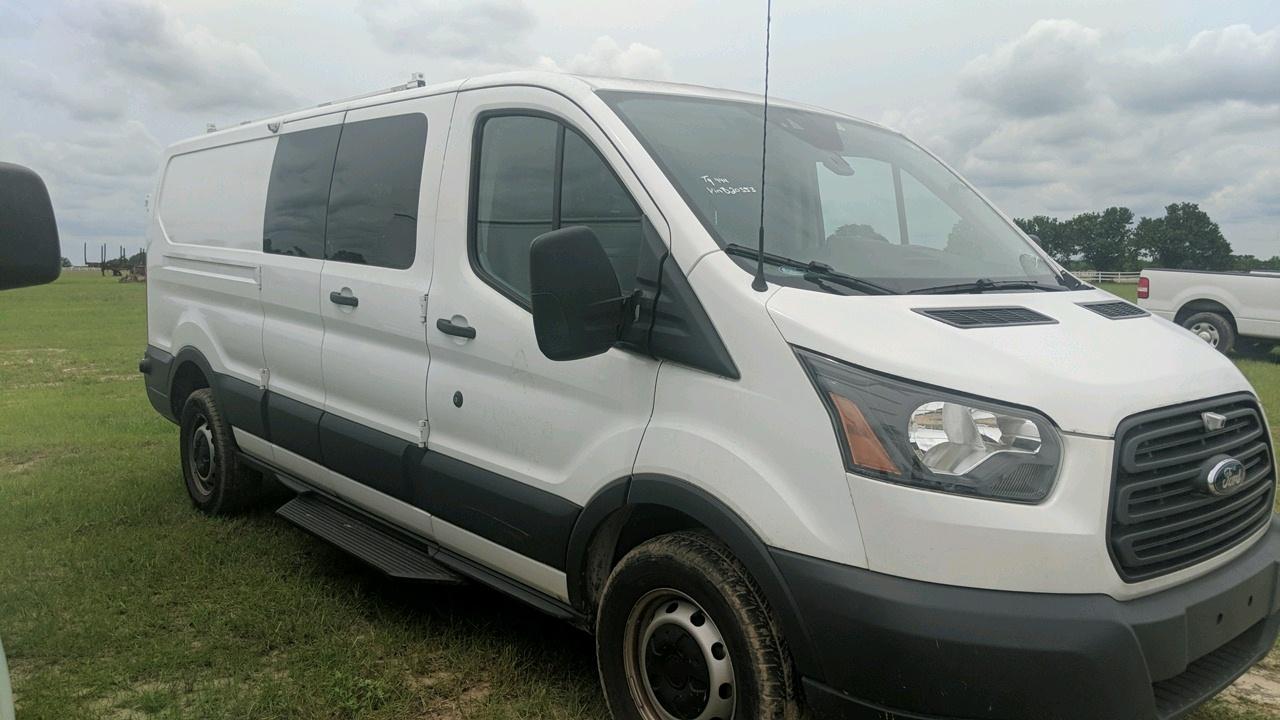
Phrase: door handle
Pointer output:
(447, 327)
(338, 298)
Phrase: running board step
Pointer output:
(363, 538)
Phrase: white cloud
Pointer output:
(482, 30)
(1233, 63)
(1047, 70)
(606, 57)
(1054, 116)
(15, 20)
(89, 103)
(1250, 198)
(180, 65)
(97, 180)
(488, 35)
(1065, 119)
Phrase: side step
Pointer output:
(363, 538)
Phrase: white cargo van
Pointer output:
(509, 330)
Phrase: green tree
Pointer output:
(1105, 239)
(66, 263)
(1051, 234)
(1185, 238)
(1249, 262)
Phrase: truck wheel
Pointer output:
(683, 632)
(1213, 329)
(216, 482)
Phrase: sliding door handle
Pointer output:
(338, 298)
(447, 327)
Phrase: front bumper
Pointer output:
(891, 647)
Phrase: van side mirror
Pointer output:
(29, 250)
(578, 308)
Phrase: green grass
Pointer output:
(118, 601)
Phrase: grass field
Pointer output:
(118, 601)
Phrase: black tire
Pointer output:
(700, 575)
(215, 479)
(1213, 328)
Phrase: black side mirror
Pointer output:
(578, 308)
(29, 249)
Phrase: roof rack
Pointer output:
(416, 80)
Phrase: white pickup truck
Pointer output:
(1223, 308)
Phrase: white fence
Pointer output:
(1095, 276)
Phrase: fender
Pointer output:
(727, 526)
(192, 355)
(160, 369)
(1206, 293)
(242, 402)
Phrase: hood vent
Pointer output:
(1115, 309)
(986, 317)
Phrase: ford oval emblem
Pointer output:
(1224, 475)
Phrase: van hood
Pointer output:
(1085, 371)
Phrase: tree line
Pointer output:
(1110, 241)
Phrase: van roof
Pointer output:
(568, 84)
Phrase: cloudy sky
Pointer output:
(1049, 107)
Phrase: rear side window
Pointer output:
(373, 205)
(214, 197)
(298, 193)
(533, 175)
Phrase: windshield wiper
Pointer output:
(814, 271)
(982, 285)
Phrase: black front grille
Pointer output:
(1115, 309)
(1162, 516)
(979, 317)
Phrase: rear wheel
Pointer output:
(1213, 329)
(683, 633)
(215, 479)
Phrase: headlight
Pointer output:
(936, 439)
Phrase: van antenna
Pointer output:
(758, 284)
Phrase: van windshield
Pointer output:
(862, 200)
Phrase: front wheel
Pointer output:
(683, 633)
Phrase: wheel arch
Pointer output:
(191, 372)
(1199, 305)
(631, 510)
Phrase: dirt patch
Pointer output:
(1259, 686)
(442, 705)
(13, 466)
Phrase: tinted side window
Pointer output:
(535, 175)
(373, 206)
(590, 195)
(514, 196)
(298, 192)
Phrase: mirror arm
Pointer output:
(629, 308)
(630, 311)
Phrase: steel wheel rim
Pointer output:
(203, 457)
(676, 660)
(1207, 332)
